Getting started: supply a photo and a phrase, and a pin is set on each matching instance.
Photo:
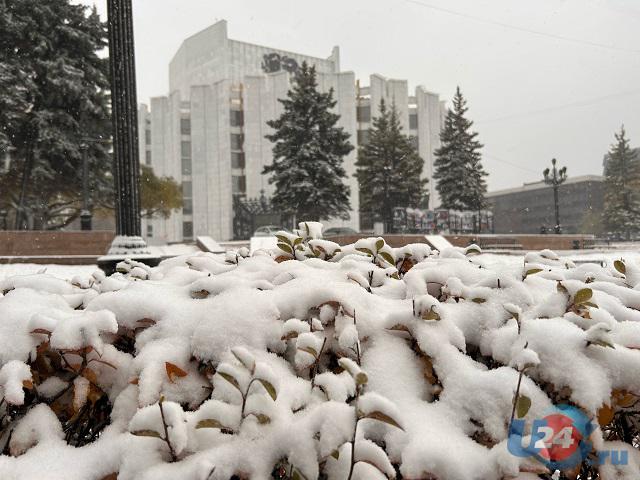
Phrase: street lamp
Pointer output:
(85, 214)
(555, 178)
(128, 242)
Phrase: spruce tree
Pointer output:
(458, 166)
(308, 153)
(389, 169)
(53, 98)
(622, 188)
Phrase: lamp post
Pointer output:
(128, 242)
(85, 214)
(555, 178)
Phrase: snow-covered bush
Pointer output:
(317, 361)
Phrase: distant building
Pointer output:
(529, 208)
(209, 132)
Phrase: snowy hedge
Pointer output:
(316, 361)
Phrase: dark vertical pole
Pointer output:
(556, 201)
(85, 214)
(126, 161)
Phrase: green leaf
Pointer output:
(365, 250)
(479, 300)
(286, 248)
(310, 351)
(473, 251)
(262, 418)
(387, 257)
(296, 475)
(379, 244)
(602, 343)
(146, 433)
(583, 296)
(431, 314)
(620, 266)
(335, 454)
(268, 386)
(297, 241)
(284, 239)
(210, 423)
(231, 379)
(523, 404)
(532, 271)
(361, 378)
(382, 417)
(590, 304)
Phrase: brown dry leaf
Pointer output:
(94, 394)
(173, 371)
(282, 258)
(28, 384)
(90, 375)
(624, 398)
(146, 322)
(605, 415)
(111, 476)
(134, 381)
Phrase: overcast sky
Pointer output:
(543, 78)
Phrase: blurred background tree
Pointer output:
(54, 96)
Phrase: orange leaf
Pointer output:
(134, 381)
(174, 371)
(605, 415)
(28, 384)
(90, 375)
(624, 398)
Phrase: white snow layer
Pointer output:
(259, 363)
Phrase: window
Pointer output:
(185, 149)
(237, 118)
(363, 137)
(147, 136)
(187, 206)
(186, 166)
(363, 113)
(238, 184)
(147, 157)
(413, 121)
(237, 160)
(236, 141)
(187, 230)
(185, 126)
(149, 230)
(186, 190)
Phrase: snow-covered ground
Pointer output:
(309, 359)
(66, 272)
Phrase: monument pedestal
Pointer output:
(123, 247)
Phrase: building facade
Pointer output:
(530, 208)
(209, 132)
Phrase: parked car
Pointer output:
(267, 230)
(339, 231)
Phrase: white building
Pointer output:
(209, 132)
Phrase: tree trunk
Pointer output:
(26, 173)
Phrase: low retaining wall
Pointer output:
(15, 245)
(488, 241)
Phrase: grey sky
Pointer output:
(580, 92)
